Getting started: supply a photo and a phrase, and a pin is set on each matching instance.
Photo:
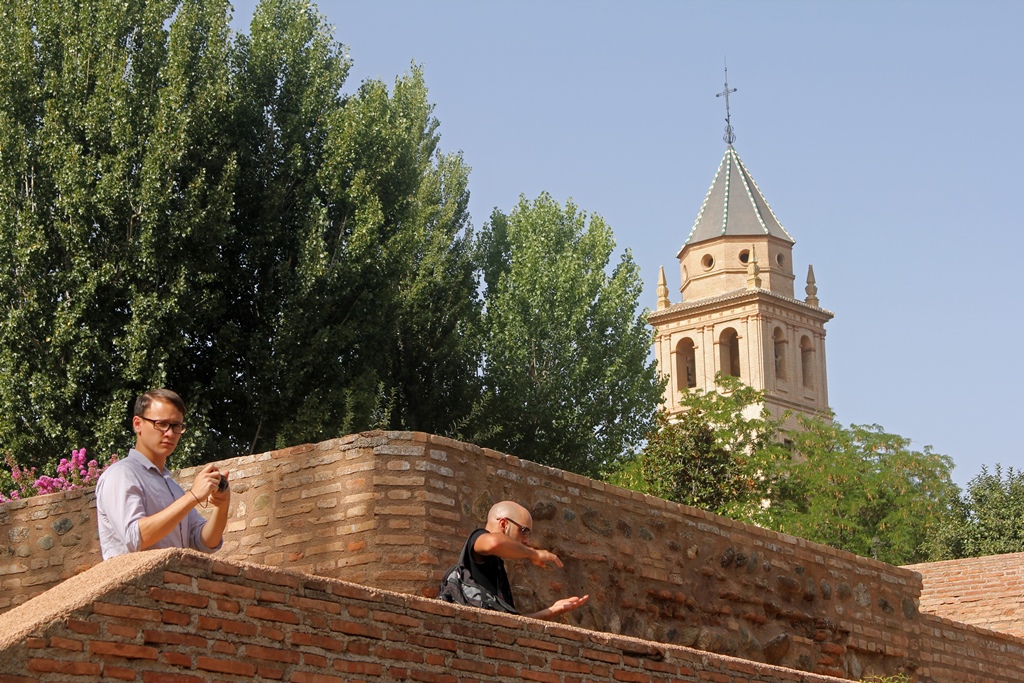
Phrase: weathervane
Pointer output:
(729, 136)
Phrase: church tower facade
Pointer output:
(739, 314)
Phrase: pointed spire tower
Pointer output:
(739, 315)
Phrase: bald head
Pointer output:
(508, 509)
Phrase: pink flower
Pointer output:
(71, 473)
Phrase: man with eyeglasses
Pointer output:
(139, 506)
(507, 537)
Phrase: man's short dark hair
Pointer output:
(142, 403)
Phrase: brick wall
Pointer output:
(982, 591)
(955, 652)
(392, 510)
(176, 616)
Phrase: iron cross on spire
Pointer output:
(729, 136)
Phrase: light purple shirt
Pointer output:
(134, 488)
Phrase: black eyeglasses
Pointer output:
(164, 425)
(524, 530)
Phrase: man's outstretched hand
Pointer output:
(561, 607)
(542, 558)
(567, 605)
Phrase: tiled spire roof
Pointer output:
(734, 206)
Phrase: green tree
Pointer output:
(435, 339)
(860, 489)
(180, 210)
(283, 351)
(566, 368)
(115, 193)
(986, 519)
(719, 455)
(354, 327)
(856, 488)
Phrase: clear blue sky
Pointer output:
(886, 136)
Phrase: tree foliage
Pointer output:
(856, 488)
(861, 489)
(180, 208)
(115, 196)
(184, 207)
(718, 455)
(434, 337)
(566, 362)
(986, 519)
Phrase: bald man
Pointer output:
(507, 537)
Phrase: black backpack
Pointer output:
(459, 586)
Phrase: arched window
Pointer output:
(729, 352)
(779, 338)
(686, 365)
(807, 361)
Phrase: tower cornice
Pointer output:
(733, 300)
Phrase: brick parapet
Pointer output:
(181, 616)
(391, 510)
(953, 651)
(983, 591)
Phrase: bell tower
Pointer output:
(739, 314)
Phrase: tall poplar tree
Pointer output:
(434, 345)
(289, 71)
(182, 208)
(566, 356)
(114, 196)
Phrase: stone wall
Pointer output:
(177, 616)
(43, 541)
(392, 510)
